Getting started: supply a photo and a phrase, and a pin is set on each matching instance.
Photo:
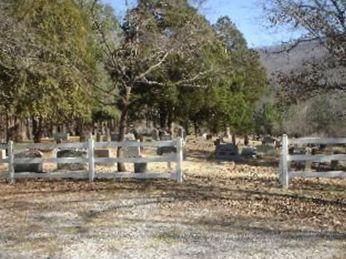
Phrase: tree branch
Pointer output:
(152, 68)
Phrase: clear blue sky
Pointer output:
(246, 14)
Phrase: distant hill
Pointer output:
(276, 61)
(295, 61)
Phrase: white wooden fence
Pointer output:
(286, 174)
(91, 160)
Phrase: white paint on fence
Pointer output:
(284, 177)
(330, 141)
(317, 158)
(91, 159)
(179, 160)
(38, 160)
(85, 175)
(10, 161)
(91, 174)
(153, 159)
(135, 144)
(286, 174)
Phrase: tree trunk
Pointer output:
(123, 126)
(186, 127)
(29, 129)
(234, 139)
(170, 123)
(50, 130)
(196, 129)
(113, 125)
(7, 129)
(246, 140)
(22, 130)
(37, 129)
(79, 127)
(2, 130)
(69, 129)
(163, 117)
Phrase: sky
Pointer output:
(246, 14)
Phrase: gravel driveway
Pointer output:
(220, 211)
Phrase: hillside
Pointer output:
(296, 61)
(276, 61)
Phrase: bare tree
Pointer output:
(321, 20)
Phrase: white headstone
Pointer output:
(2, 153)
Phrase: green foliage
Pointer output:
(267, 119)
(242, 83)
(47, 61)
(72, 59)
(229, 34)
(320, 115)
(214, 84)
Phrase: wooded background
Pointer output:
(73, 66)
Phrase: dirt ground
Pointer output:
(221, 210)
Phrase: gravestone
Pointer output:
(165, 150)
(108, 135)
(47, 154)
(99, 137)
(155, 134)
(227, 151)
(129, 136)
(58, 137)
(85, 135)
(114, 136)
(227, 133)
(266, 150)
(140, 167)
(218, 141)
(269, 141)
(34, 168)
(131, 152)
(106, 153)
(165, 137)
(72, 153)
(248, 152)
(102, 137)
(3, 154)
(135, 152)
(3, 167)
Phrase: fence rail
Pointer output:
(91, 160)
(331, 141)
(286, 174)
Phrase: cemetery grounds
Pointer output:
(221, 210)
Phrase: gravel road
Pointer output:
(130, 223)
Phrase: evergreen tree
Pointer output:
(47, 63)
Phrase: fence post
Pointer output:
(284, 179)
(10, 161)
(91, 154)
(179, 170)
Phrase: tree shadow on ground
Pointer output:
(200, 154)
(196, 188)
(265, 162)
(241, 224)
